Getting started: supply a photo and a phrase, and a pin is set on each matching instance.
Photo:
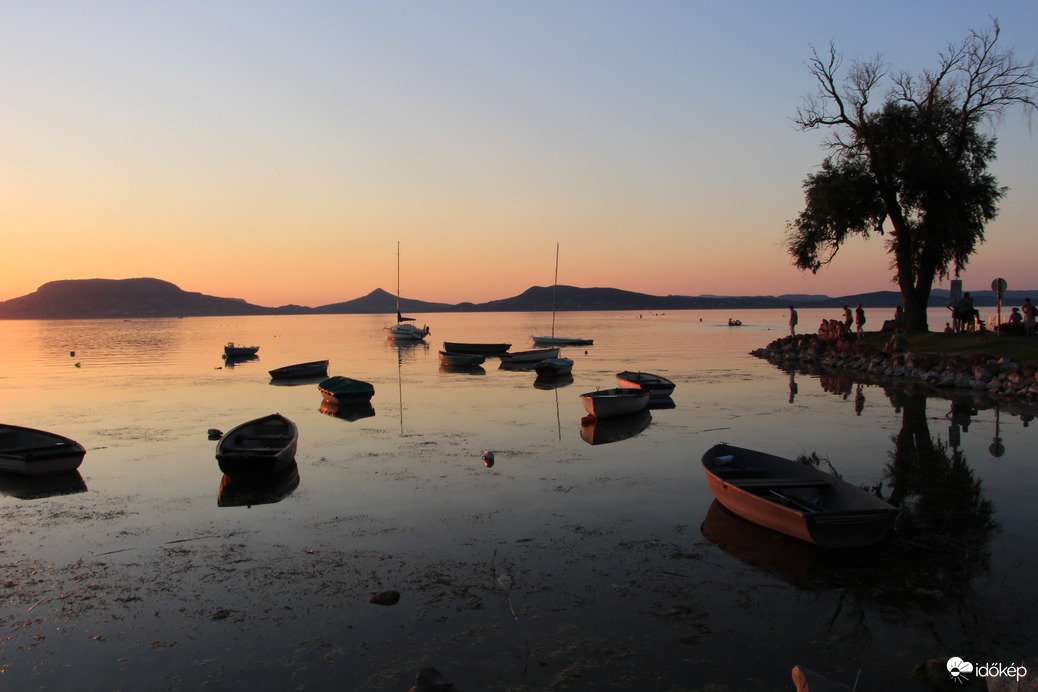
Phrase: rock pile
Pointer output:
(1001, 377)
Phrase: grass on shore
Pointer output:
(1021, 349)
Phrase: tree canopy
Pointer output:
(913, 169)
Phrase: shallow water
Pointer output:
(571, 564)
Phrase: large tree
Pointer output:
(914, 167)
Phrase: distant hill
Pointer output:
(121, 298)
(129, 298)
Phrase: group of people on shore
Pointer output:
(965, 317)
(834, 329)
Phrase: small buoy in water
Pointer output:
(77, 365)
(215, 434)
(71, 354)
(488, 458)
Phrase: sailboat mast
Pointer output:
(554, 289)
(398, 281)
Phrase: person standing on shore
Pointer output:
(793, 321)
(1029, 315)
(847, 321)
(859, 321)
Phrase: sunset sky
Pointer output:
(278, 151)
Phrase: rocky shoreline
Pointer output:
(1000, 378)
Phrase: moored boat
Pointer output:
(561, 341)
(345, 390)
(311, 369)
(606, 403)
(233, 350)
(32, 452)
(482, 349)
(796, 499)
(659, 386)
(455, 358)
(261, 446)
(531, 356)
(403, 330)
(554, 367)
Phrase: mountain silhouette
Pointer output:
(146, 297)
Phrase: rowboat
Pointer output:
(262, 446)
(455, 358)
(233, 350)
(529, 356)
(606, 403)
(33, 452)
(561, 341)
(312, 369)
(659, 386)
(482, 349)
(553, 367)
(345, 390)
(796, 499)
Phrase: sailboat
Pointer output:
(403, 330)
(558, 340)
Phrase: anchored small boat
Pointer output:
(482, 349)
(261, 446)
(532, 356)
(796, 499)
(233, 350)
(606, 403)
(345, 390)
(314, 368)
(659, 386)
(554, 367)
(32, 452)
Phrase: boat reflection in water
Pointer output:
(602, 431)
(245, 491)
(349, 411)
(448, 368)
(26, 487)
(660, 403)
(235, 361)
(553, 381)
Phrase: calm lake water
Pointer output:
(565, 565)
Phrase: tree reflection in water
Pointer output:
(941, 541)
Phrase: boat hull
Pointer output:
(345, 390)
(406, 332)
(529, 356)
(262, 446)
(561, 341)
(796, 499)
(311, 369)
(232, 351)
(482, 349)
(31, 452)
(659, 387)
(554, 367)
(607, 403)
